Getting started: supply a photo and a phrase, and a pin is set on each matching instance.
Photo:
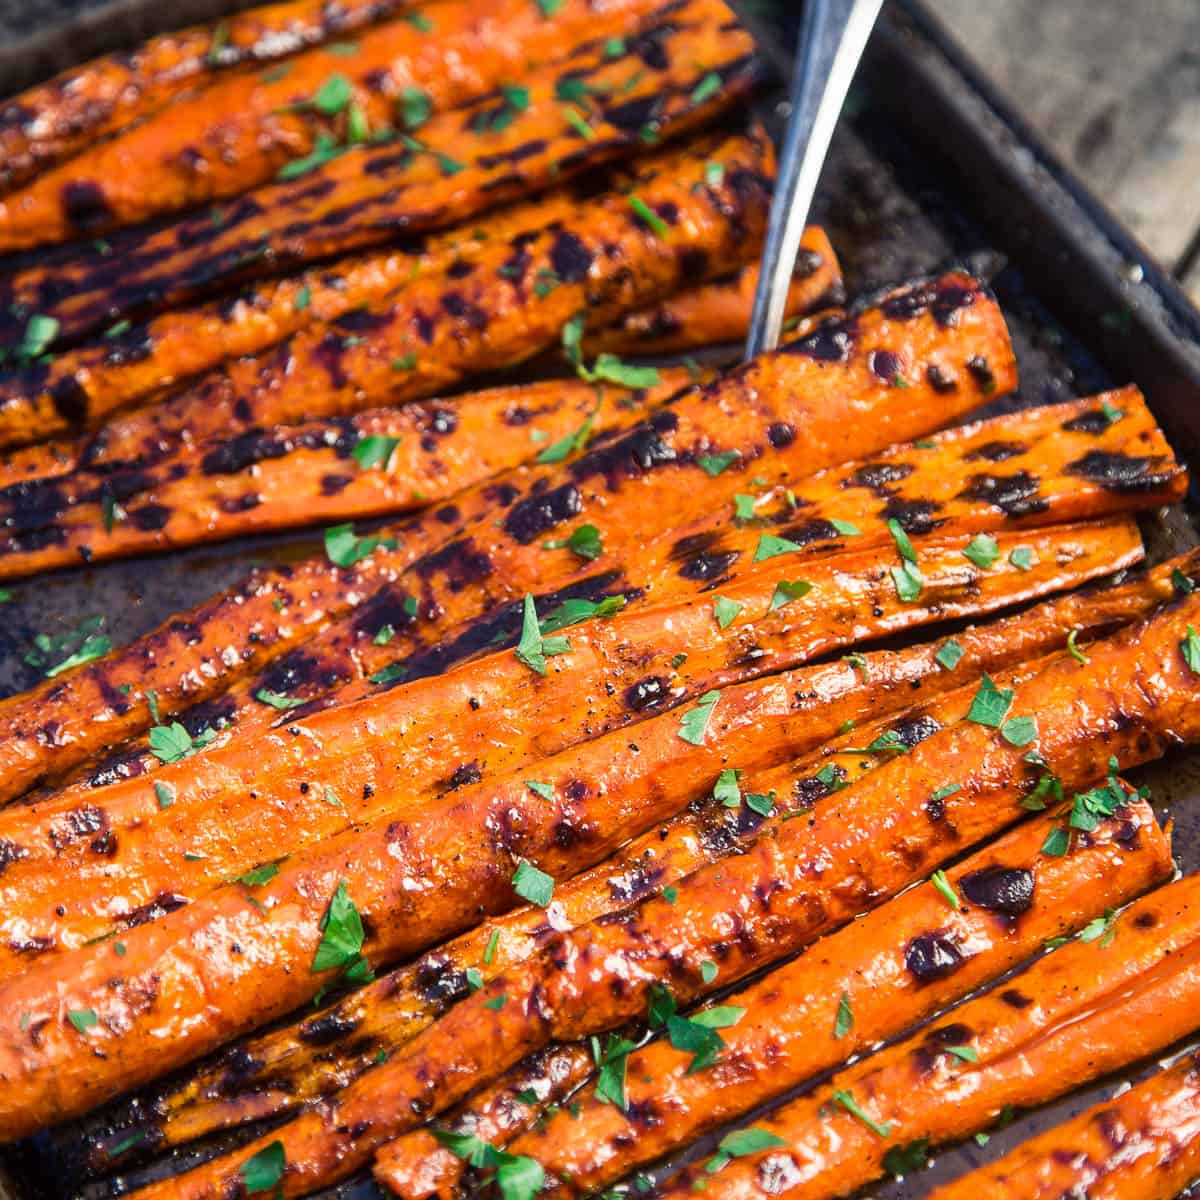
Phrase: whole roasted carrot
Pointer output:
(1089, 1008)
(820, 397)
(319, 1054)
(248, 799)
(852, 989)
(83, 387)
(481, 314)
(863, 844)
(46, 123)
(239, 131)
(369, 195)
(1143, 1144)
(1053, 471)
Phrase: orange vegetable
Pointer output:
(316, 1055)
(239, 131)
(865, 843)
(1015, 898)
(136, 847)
(46, 123)
(1089, 1008)
(821, 391)
(482, 314)
(1143, 1144)
(371, 193)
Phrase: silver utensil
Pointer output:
(833, 34)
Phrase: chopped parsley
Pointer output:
(694, 722)
(262, 1171)
(40, 332)
(647, 214)
(517, 1177)
(545, 790)
(1057, 843)
(982, 550)
(991, 704)
(714, 464)
(571, 612)
(787, 590)
(611, 1065)
(726, 790)
(843, 1022)
(846, 1100)
(697, 1035)
(534, 648)
(1075, 652)
(533, 885)
(415, 107)
(946, 889)
(566, 446)
(1190, 646)
(769, 546)
(1101, 929)
(333, 95)
(72, 649)
(164, 794)
(740, 1143)
(584, 541)
(1022, 558)
(907, 576)
(83, 1018)
(725, 611)
(1019, 731)
(374, 450)
(845, 528)
(949, 655)
(170, 743)
(906, 1159)
(278, 699)
(708, 87)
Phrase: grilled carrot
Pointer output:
(819, 395)
(137, 846)
(370, 194)
(500, 1112)
(317, 1055)
(46, 123)
(481, 314)
(865, 843)
(791, 1028)
(83, 387)
(1143, 1144)
(719, 311)
(240, 131)
(1085, 1010)
(1053, 471)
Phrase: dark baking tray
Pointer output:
(929, 166)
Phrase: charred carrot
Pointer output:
(819, 397)
(45, 124)
(239, 131)
(317, 1055)
(1057, 467)
(1143, 1144)
(719, 311)
(865, 843)
(483, 314)
(84, 387)
(1089, 1008)
(250, 799)
(371, 194)
(565, 830)
(853, 988)
(498, 1114)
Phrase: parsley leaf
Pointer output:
(571, 612)
(611, 369)
(949, 655)
(714, 464)
(726, 611)
(533, 649)
(333, 95)
(610, 1079)
(344, 547)
(566, 446)
(982, 550)
(694, 722)
(907, 1159)
(1057, 843)
(1022, 558)
(991, 704)
(726, 790)
(278, 699)
(545, 790)
(708, 87)
(847, 1101)
(415, 107)
(943, 885)
(83, 1018)
(648, 215)
(788, 590)
(698, 1036)
(374, 450)
(341, 933)
(1019, 731)
(262, 1171)
(845, 528)
(769, 546)
(533, 885)
(844, 1021)
(1190, 647)
(584, 541)
(170, 743)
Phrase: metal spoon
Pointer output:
(833, 34)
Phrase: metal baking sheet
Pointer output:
(929, 167)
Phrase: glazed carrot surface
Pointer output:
(386, 755)
(1087, 1009)
(478, 314)
(318, 1054)
(820, 397)
(464, 161)
(872, 969)
(241, 130)
(44, 124)
(1143, 1144)
(84, 387)
(864, 842)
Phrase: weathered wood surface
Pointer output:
(1115, 88)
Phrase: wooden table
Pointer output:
(1114, 87)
